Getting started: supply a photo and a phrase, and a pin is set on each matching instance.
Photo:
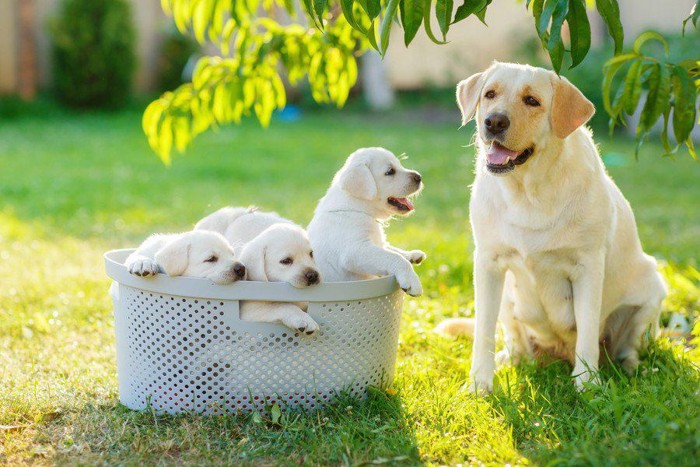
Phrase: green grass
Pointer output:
(75, 185)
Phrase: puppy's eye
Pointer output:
(211, 259)
(490, 94)
(391, 171)
(311, 253)
(287, 261)
(531, 101)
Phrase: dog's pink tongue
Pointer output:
(408, 203)
(500, 155)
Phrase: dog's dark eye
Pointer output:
(311, 253)
(211, 259)
(490, 94)
(531, 101)
(287, 261)
(391, 171)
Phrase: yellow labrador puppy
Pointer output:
(194, 254)
(556, 246)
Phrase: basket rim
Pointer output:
(246, 290)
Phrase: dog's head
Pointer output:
(377, 177)
(281, 253)
(201, 253)
(519, 109)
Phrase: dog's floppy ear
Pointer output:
(570, 108)
(468, 92)
(357, 180)
(253, 258)
(173, 258)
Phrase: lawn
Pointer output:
(75, 185)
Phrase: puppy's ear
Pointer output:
(570, 108)
(468, 92)
(174, 257)
(253, 258)
(358, 181)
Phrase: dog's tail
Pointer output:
(454, 327)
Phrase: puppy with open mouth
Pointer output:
(346, 231)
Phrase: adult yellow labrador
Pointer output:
(556, 246)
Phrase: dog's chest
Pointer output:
(542, 291)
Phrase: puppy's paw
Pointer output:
(302, 322)
(143, 267)
(410, 283)
(416, 256)
(504, 358)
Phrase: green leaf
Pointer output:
(555, 45)
(659, 83)
(693, 17)
(632, 89)
(411, 18)
(346, 6)
(646, 37)
(684, 99)
(320, 7)
(275, 413)
(371, 7)
(469, 7)
(443, 13)
(387, 21)
(610, 69)
(610, 12)
(311, 12)
(481, 14)
(579, 30)
(426, 23)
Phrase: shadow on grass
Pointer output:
(651, 418)
(348, 432)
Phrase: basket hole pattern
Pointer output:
(187, 354)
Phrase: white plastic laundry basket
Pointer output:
(181, 346)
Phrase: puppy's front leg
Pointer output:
(488, 291)
(587, 285)
(371, 260)
(272, 312)
(413, 256)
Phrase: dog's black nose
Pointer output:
(417, 177)
(239, 269)
(496, 123)
(311, 277)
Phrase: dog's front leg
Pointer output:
(371, 260)
(413, 256)
(488, 291)
(587, 285)
(272, 312)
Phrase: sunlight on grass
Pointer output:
(58, 386)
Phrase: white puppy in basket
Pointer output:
(347, 233)
(195, 254)
(273, 249)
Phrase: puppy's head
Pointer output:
(377, 177)
(519, 110)
(281, 253)
(201, 253)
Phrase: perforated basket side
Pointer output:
(189, 354)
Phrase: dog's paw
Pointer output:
(410, 283)
(143, 267)
(504, 358)
(586, 379)
(480, 387)
(302, 323)
(416, 256)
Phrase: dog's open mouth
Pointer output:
(500, 159)
(402, 204)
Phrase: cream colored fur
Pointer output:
(557, 254)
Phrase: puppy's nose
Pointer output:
(496, 123)
(416, 177)
(311, 277)
(239, 270)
